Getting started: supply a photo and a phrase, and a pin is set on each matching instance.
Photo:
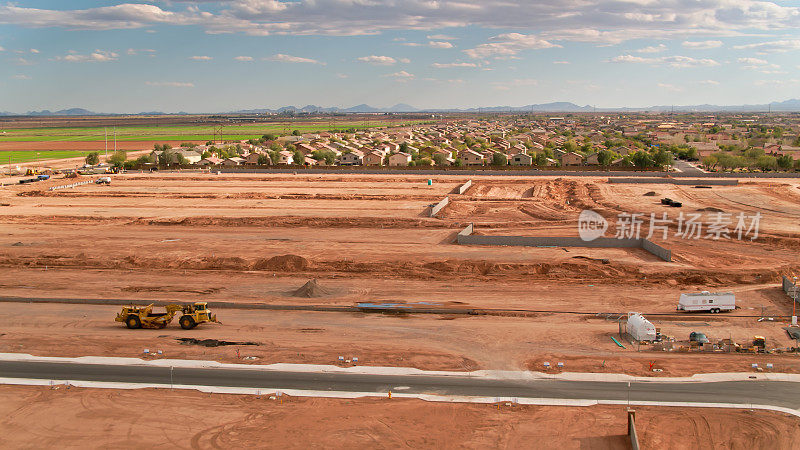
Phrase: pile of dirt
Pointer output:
(311, 289)
(651, 194)
(710, 209)
(283, 263)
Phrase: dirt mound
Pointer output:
(651, 194)
(311, 289)
(710, 209)
(283, 263)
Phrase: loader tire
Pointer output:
(133, 322)
(187, 323)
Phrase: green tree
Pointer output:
(268, 137)
(424, 162)
(439, 159)
(165, 158)
(206, 154)
(180, 159)
(93, 158)
(767, 163)
(188, 145)
(459, 163)
(499, 159)
(296, 133)
(263, 160)
(604, 158)
(118, 158)
(785, 162)
(641, 160)
(404, 147)
(298, 157)
(662, 158)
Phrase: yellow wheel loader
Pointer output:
(144, 317)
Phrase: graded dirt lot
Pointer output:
(40, 417)
(368, 239)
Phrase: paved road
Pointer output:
(774, 393)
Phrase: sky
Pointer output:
(226, 55)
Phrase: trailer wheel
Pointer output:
(133, 322)
(187, 322)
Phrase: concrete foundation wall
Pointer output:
(657, 250)
(439, 206)
(687, 182)
(465, 237)
(463, 188)
(790, 289)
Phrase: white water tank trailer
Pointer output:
(707, 301)
(640, 328)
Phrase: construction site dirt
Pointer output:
(368, 239)
(46, 417)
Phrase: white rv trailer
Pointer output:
(707, 301)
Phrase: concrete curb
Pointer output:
(409, 371)
(425, 397)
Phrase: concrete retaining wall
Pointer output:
(439, 206)
(67, 186)
(632, 430)
(789, 288)
(657, 250)
(465, 237)
(708, 182)
(463, 188)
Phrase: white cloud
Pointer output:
(772, 47)
(507, 45)
(23, 62)
(561, 62)
(404, 60)
(378, 60)
(178, 84)
(672, 61)
(134, 51)
(2, 49)
(342, 75)
(21, 77)
(702, 45)
(401, 76)
(760, 65)
(441, 37)
(440, 44)
(652, 49)
(34, 51)
(792, 82)
(709, 82)
(669, 87)
(571, 19)
(243, 58)
(95, 56)
(280, 57)
(201, 58)
(452, 65)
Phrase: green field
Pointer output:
(17, 157)
(184, 132)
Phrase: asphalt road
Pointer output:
(774, 393)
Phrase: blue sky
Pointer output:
(207, 56)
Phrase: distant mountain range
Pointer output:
(792, 105)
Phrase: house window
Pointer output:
(711, 301)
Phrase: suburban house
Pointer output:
(571, 159)
(191, 156)
(353, 158)
(210, 161)
(399, 159)
(235, 161)
(592, 159)
(471, 157)
(285, 157)
(373, 158)
(521, 159)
